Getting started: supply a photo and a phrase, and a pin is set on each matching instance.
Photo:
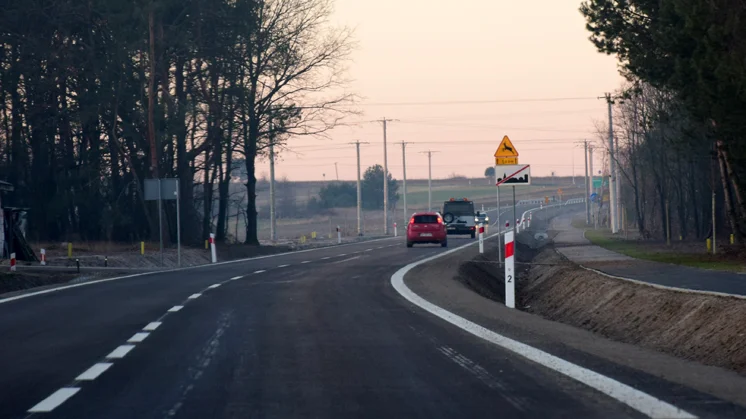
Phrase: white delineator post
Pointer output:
(396, 232)
(43, 257)
(212, 248)
(481, 238)
(509, 270)
(12, 262)
(339, 235)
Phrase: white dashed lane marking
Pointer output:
(305, 261)
(138, 337)
(259, 271)
(213, 286)
(54, 400)
(325, 258)
(283, 266)
(120, 352)
(93, 372)
(174, 309)
(238, 277)
(152, 326)
(194, 296)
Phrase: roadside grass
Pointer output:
(660, 252)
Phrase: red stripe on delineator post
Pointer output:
(510, 269)
(509, 249)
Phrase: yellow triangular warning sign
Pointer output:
(506, 149)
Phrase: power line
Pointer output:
(475, 102)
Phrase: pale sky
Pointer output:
(425, 51)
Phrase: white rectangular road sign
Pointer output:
(514, 175)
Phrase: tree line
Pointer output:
(97, 96)
(681, 116)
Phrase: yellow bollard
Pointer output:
(142, 248)
(732, 239)
(709, 245)
(207, 244)
(69, 250)
(302, 239)
(313, 235)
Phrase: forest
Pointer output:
(680, 119)
(97, 96)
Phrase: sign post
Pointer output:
(165, 189)
(509, 270)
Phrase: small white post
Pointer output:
(43, 257)
(212, 248)
(509, 270)
(339, 235)
(12, 262)
(396, 232)
(481, 238)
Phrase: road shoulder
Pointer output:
(674, 377)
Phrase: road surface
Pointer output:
(314, 334)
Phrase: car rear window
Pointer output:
(459, 208)
(425, 219)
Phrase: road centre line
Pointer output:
(54, 400)
(237, 277)
(93, 372)
(152, 326)
(174, 309)
(120, 352)
(305, 261)
(642, 402)
(195, 296)
(138, 337)
(213, 286)
(283, 266)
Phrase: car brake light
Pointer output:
(411, 221)
(440, 220)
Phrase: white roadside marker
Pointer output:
(93, 372)
(120, 352)
(54, 400)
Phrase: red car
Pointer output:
(427, 227)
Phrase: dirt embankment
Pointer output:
(697, 327)
(703, 328)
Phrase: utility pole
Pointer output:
(429, 178)
(612, 170)
(587, 186)
(404, 177)
(359, 192)
(594, 218)
(573, 166)
(272, 208)
(385, 179)
(336, 170)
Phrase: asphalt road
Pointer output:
(316, 334)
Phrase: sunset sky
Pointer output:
(458, 76)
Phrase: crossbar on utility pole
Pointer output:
(359, 192)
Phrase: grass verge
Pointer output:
(660, 252)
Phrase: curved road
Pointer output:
(315, 334)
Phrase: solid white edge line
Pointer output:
(152, 326)
(93, 372)
(138, 337)
(120, 352)
(207, 265)
(195, 296)
(642, 402)
(174, 309)
(55, 399)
